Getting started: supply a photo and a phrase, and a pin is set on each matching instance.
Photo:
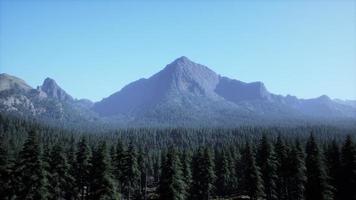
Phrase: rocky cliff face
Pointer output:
(52, 90)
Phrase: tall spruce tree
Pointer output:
(296, 176)
(317, 186)
(102, 185)
(130, 176)
(142, 165)
(267, 162)
(82, 168)
(30, 172)
(60, 179)
(71, 159)
(186, 160)
(333, 161)
(348, 175)
(118, 164)
(223, 174)
(4, 167)
(172, 185)
(282, 168)
(251, 181)
(203, 175)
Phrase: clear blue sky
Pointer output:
(94, 48)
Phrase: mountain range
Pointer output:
(184, 93)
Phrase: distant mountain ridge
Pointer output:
(184, 93)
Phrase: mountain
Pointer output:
(52, 90)
(8, 82)
(48, 102)
(184, 93)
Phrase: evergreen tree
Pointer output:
(251, 181)
(172, 185)
(333, 161)
(282, 168)
(4, 167)
(296, 176)
(60, 178)
(82, 168)
(142, 164)
(118, 164)
(348, 160)
(102, 185)
(267, 163)
(130, 176)
(32, 182)
(223, 174)
(317, 186)
(203, 175)
(186, 168)
(71, 159)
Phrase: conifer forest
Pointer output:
(271, 163)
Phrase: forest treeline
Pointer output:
(272, 163)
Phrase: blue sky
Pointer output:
(94, 48)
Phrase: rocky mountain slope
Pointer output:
(184, 93)
(48, 102)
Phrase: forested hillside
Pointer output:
(41, 162)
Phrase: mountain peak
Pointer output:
(51, 88)
(182, 60)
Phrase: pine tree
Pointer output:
(348, 175)
(142, 165)
(203, 175)
(186, 168)
(172, 185)
(130, 176)
(223, 174)
(317, 186)
(71, 159)
(333, 160)
(59, 175)
(281, 151)
(32, 182)
(296, 176)
(118, 165)
(4, 167)
(251, 182)
(266, 160)
(82, 168)
(102, 185)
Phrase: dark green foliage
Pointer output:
(203, 175)
(317, 186)
(171, 185)
(30, 173)
(143, 168)
(59, 177)
(282, 168)
(102, 185)
(82, 168)
(333, 161)
(297, 173)
(348, 172)
(223, 174)
(4, 167)
(251, 181)
(206, 163)
(186, 160)
(267, 161)
(130, 177)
